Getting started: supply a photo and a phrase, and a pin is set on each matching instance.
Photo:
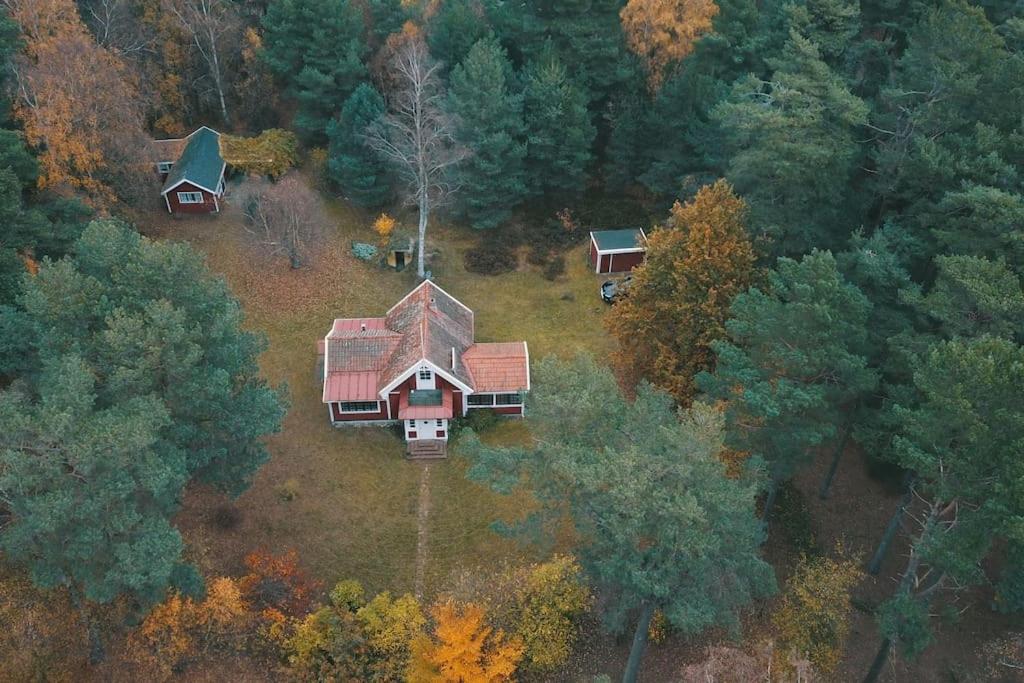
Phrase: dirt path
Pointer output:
(422, 513)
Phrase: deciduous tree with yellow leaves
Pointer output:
(464, 648)
(662, 32)
(680, 297)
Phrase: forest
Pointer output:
(833, 192)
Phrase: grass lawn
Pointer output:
(354, 513)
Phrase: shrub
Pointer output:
(490, 259)
(813, 620)
(364, 252)
(554, 268)
(226, 517)
(289, 490)
(479, 420)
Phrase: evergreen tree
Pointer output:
(317, 48)
(792, 149)
(962, 439)
(660, 523)
(136, 379)
(794, 364)
(490, 124)
(586, 36)
(454, 29)
(971, 297)
(14, 154)
(355, 168)
(559, 131)
(949, 139)
(679, 299)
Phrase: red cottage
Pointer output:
(419, 365)
(192, 171)
(617, 251)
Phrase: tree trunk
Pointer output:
(880, 659)
(875, 565)
(97, 653)
(218, 78)
(422, 246)
(836, 457)
(905, 585)
(636, 652)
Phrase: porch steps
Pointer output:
(423, 449)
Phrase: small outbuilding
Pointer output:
(617, 251)
(192, 171)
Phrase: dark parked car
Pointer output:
(612, 288)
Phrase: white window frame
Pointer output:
(492, 398)
(190, 198)
(374, 409)
(164, 166)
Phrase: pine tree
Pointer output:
(559, 131)
(660, 523)
(490, 124)
(454, 29)
(355, 168)
(792, 149)
(317, 48)
(136, 379)
(961, 438)
(794, 363)
(680, 297)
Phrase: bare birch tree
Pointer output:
(215, 30)
(416, 135)
(116, 26)
(285, 218)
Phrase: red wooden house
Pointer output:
(192, 172)
(617, 251)
(419, 365)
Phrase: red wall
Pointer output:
(208, 205)
(620, 263)
(593, 254)
(338, 416)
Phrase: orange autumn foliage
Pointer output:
(77, 101)
(277, 583)
(680, 297)
(180, 628)
(663, 32)
(464, 649)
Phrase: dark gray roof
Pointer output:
(615, 240)
(200, 162)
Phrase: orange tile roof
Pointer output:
(498, 367)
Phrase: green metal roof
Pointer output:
(425, 397)
(200, 162)
(612, 240)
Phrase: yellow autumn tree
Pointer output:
(78, 103)
(465, 649)
(547, 605)
(384, 226)
(180, 628)
(813, 620)
(679, 300)
(663, 32)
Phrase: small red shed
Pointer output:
(193, 172)
(617, 251)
